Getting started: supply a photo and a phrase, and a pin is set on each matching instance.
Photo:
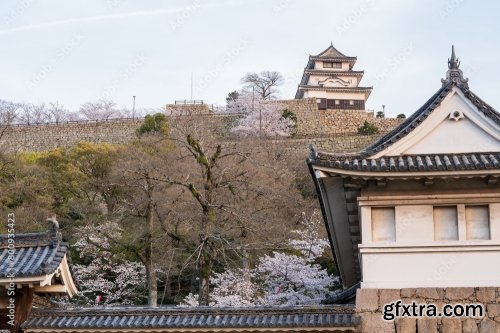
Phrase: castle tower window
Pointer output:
(332, 64)
(383, 224)
(445, 223)
(477, 222)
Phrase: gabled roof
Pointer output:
(193, 319)
(34, 259)
(421, 114)
(332, 53)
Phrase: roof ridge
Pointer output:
(51, 237)
(410, 123)
(131, 310)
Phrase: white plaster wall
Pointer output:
(414, 223)
(336, 95)
(449, 137)
(495, 221)
(313, 80)
(476, 267)
(319, 65)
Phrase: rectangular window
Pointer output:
(329, 64)
(477, 222)
(383, 224)
(337, 102)
(445, 223)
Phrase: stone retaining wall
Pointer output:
(186, 109)
(332, 130)
(312, 121)
(370, 304)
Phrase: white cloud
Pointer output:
(117, 16)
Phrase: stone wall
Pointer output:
(314, 122)
(370, 304)
(348, 121)
(332, 130)
(186, 109)
(50, 136)
(116, 131)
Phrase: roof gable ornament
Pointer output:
(454, 75)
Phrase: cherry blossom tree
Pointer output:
(264, 83)
(279, 279)
(110, 276)
(100, 110)
(262, 117)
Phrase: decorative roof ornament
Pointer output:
(454, 74)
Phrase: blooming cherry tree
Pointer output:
(262, 117)
(279, 279)
(109, 277)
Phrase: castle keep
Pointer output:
(330, 79)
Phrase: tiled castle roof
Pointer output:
(35, 253)
(138, 318)
(411, 163)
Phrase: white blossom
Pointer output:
(279, 279)
(261, 117)
(117, 280)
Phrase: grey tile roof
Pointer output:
(342, 89)
(345, 296)
(35, 253)
(410, 163)
(203, 317)
(332, 52)
(333, 72)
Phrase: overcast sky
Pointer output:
(82, 50)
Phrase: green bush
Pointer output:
(401, 116)
(287, 114)
(367, 129)
(156, 123)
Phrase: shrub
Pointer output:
(401, 116)
(287, 114)
(380, 114)
(156, 123)
(367, 129)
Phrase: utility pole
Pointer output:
(260, 121)
(133, 108)
(260, 111)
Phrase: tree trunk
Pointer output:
(150, 269)
(205, 263)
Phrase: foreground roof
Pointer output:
(38, 260)
(455, 134)
(194, 319)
